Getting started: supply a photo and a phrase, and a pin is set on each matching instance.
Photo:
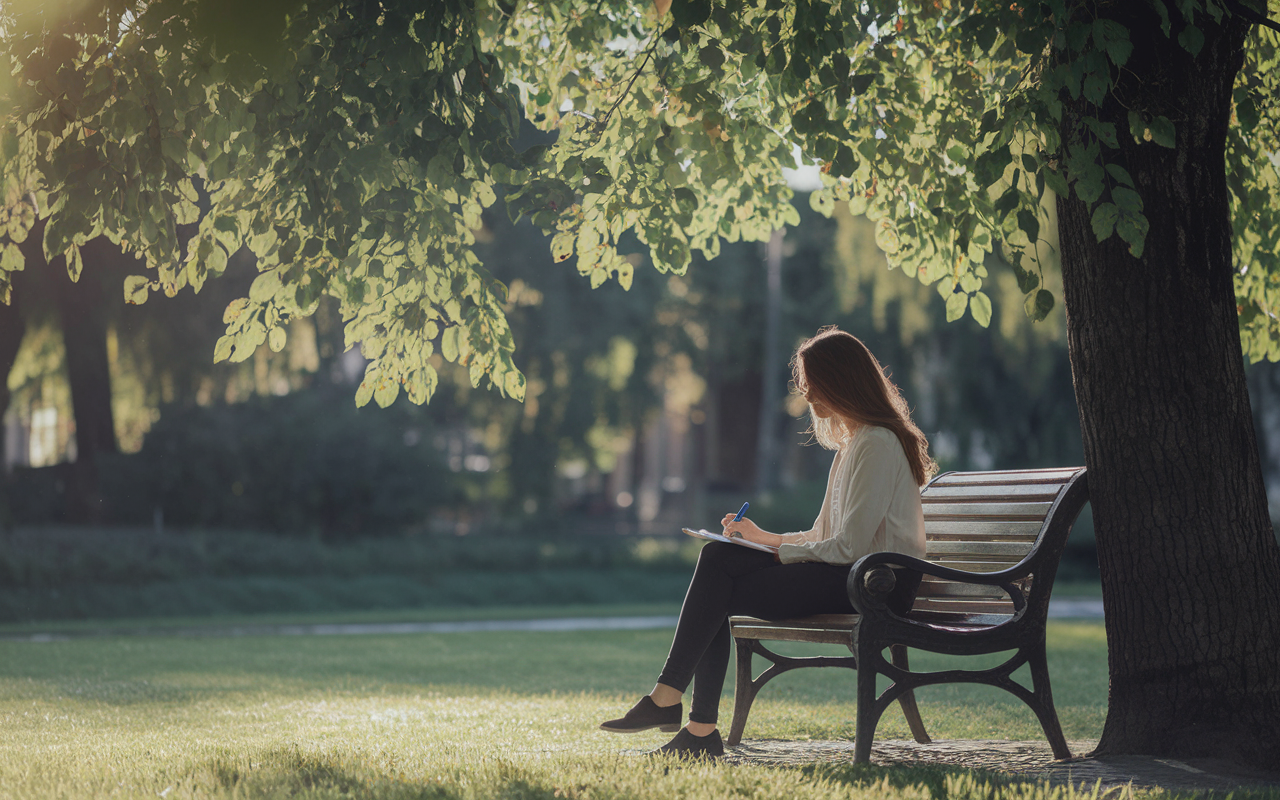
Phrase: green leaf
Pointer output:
(860, 83)
(686, 13)
(11, 260)
(174, 149)
(449, 343)
(514, 384)
(276, 339)
(1120, 174)
(562, 245)
(1192, 40)
(222, 350)
(136, 290)
(1113, 38)
(1089, 186)
(1029, 224)
(56, 237)
(1127, 199)
(1056, 182)
(1137, 126)
(1247, 113)
(1095, 87)
(712, 56)
(1163, 132)
(887, 236)
(364, 393)
(386, 392)
(1104, 220)
(1038, 305)
(980, 308)
(421, 385)
(1027, 280)
(1132, 230)
(264, 287)
(75, 265)
(844, 163)
(1163, 11)
(957, 302)
(1105, 131)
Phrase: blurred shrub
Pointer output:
(307, 462)
(64, 556)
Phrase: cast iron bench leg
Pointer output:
(898, 654)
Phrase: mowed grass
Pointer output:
(462, 715)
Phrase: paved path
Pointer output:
(1024, 759)
(1062, 609)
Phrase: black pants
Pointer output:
(732, 580)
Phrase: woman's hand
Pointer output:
(748, 530)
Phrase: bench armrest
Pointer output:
(869, 585)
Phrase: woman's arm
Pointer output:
(751, 532)
(867, 489)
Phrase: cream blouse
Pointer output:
(872, 504)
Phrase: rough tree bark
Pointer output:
(1190, 565)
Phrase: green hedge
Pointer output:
(307, 462)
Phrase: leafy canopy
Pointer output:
(355, 158)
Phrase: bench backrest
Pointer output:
(991, 521)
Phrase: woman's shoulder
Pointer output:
(878, 440)
(874, 436)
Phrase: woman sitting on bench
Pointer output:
(872, 504)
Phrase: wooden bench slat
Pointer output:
(952, 589)
(959, 537)
(936, 508)
(964, 606)
(1023, 493)
(977, 531)
(810, 635)
(821, 628)
(973, 547)
(987, 565)
(816, 621)
(969, 561)
(959, 622)
(1056, 476)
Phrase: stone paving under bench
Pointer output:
(1024, 759)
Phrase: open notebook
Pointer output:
(702, 533)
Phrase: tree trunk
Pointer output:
(84, 333)
(83, 311)
(12, 328)
(1190, 565)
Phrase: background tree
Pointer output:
(356, 161)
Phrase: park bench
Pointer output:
(993, 544)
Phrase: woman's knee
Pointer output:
(716, 551)
(732, 559)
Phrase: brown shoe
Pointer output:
(688, 746)
(647, 714)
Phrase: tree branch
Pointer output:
(1239, 9)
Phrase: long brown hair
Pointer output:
(836, 369)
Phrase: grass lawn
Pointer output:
(450, 716)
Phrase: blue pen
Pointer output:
(741, 511)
